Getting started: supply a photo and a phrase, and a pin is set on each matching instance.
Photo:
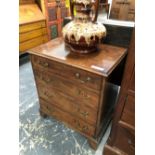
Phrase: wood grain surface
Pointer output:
(30, 13)
(102, 62)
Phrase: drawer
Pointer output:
(68, 119)
(128, 115)
(85, 78)
(68, 104)
(32, 34)
(32, 26)
(52, 82)
(32, 43)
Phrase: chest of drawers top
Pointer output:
(101, 63)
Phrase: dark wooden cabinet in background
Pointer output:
(122, 137)
(123, 10)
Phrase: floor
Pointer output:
(39, 136)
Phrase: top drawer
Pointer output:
(87, 79)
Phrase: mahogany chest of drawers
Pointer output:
(74, 89)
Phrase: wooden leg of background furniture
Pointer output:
(108, 150)
(93, 144)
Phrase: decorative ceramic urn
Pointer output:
(83, 33)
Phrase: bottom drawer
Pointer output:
(68, 119)
(32, 43)
(32, 34)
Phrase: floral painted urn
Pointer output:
(83, 33)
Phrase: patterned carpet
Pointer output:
(39, 136)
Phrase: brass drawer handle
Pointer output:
(83, 94)
(47, 94)
(88, 78)
(85, 128)
(47, 80)
(77, 75)
(84, 114)
(82, 81)
(87, 96)
(44, 64)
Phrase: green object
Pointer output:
(54, 31)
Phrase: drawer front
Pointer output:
(68, 119)
(32, 43)
(79, 76)
(128, 114)
(32, 34)
(32, 26)
(52, 81)
(68, 104)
